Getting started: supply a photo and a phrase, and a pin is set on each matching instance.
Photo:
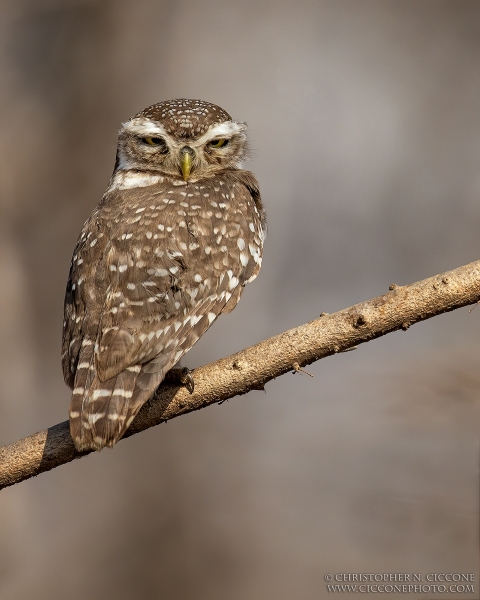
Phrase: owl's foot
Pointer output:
(182, 377)
(186, 379)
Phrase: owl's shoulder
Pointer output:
(246, 178)
(249, 183)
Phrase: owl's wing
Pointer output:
(251, 235)
(85, 287)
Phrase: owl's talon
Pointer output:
(181, 377)
(186, 379)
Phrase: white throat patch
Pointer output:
(125, 180)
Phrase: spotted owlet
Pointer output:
(177, 236)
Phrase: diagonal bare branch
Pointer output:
(252, 368)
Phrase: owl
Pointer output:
(176, 237)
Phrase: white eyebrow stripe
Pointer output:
(145, 127)
(228, 128)
(142, 127)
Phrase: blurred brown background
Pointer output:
(364, 118)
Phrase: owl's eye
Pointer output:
(218, 143)
(154, 141)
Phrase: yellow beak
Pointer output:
(186, 163)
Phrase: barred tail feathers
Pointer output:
(84, 376)
(101, 412)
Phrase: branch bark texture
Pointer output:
(251, 369)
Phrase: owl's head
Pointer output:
(184, 138)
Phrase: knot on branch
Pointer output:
(239, 365)
(359, 321)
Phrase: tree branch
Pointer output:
(252, 368)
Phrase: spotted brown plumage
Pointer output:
(176, 237)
